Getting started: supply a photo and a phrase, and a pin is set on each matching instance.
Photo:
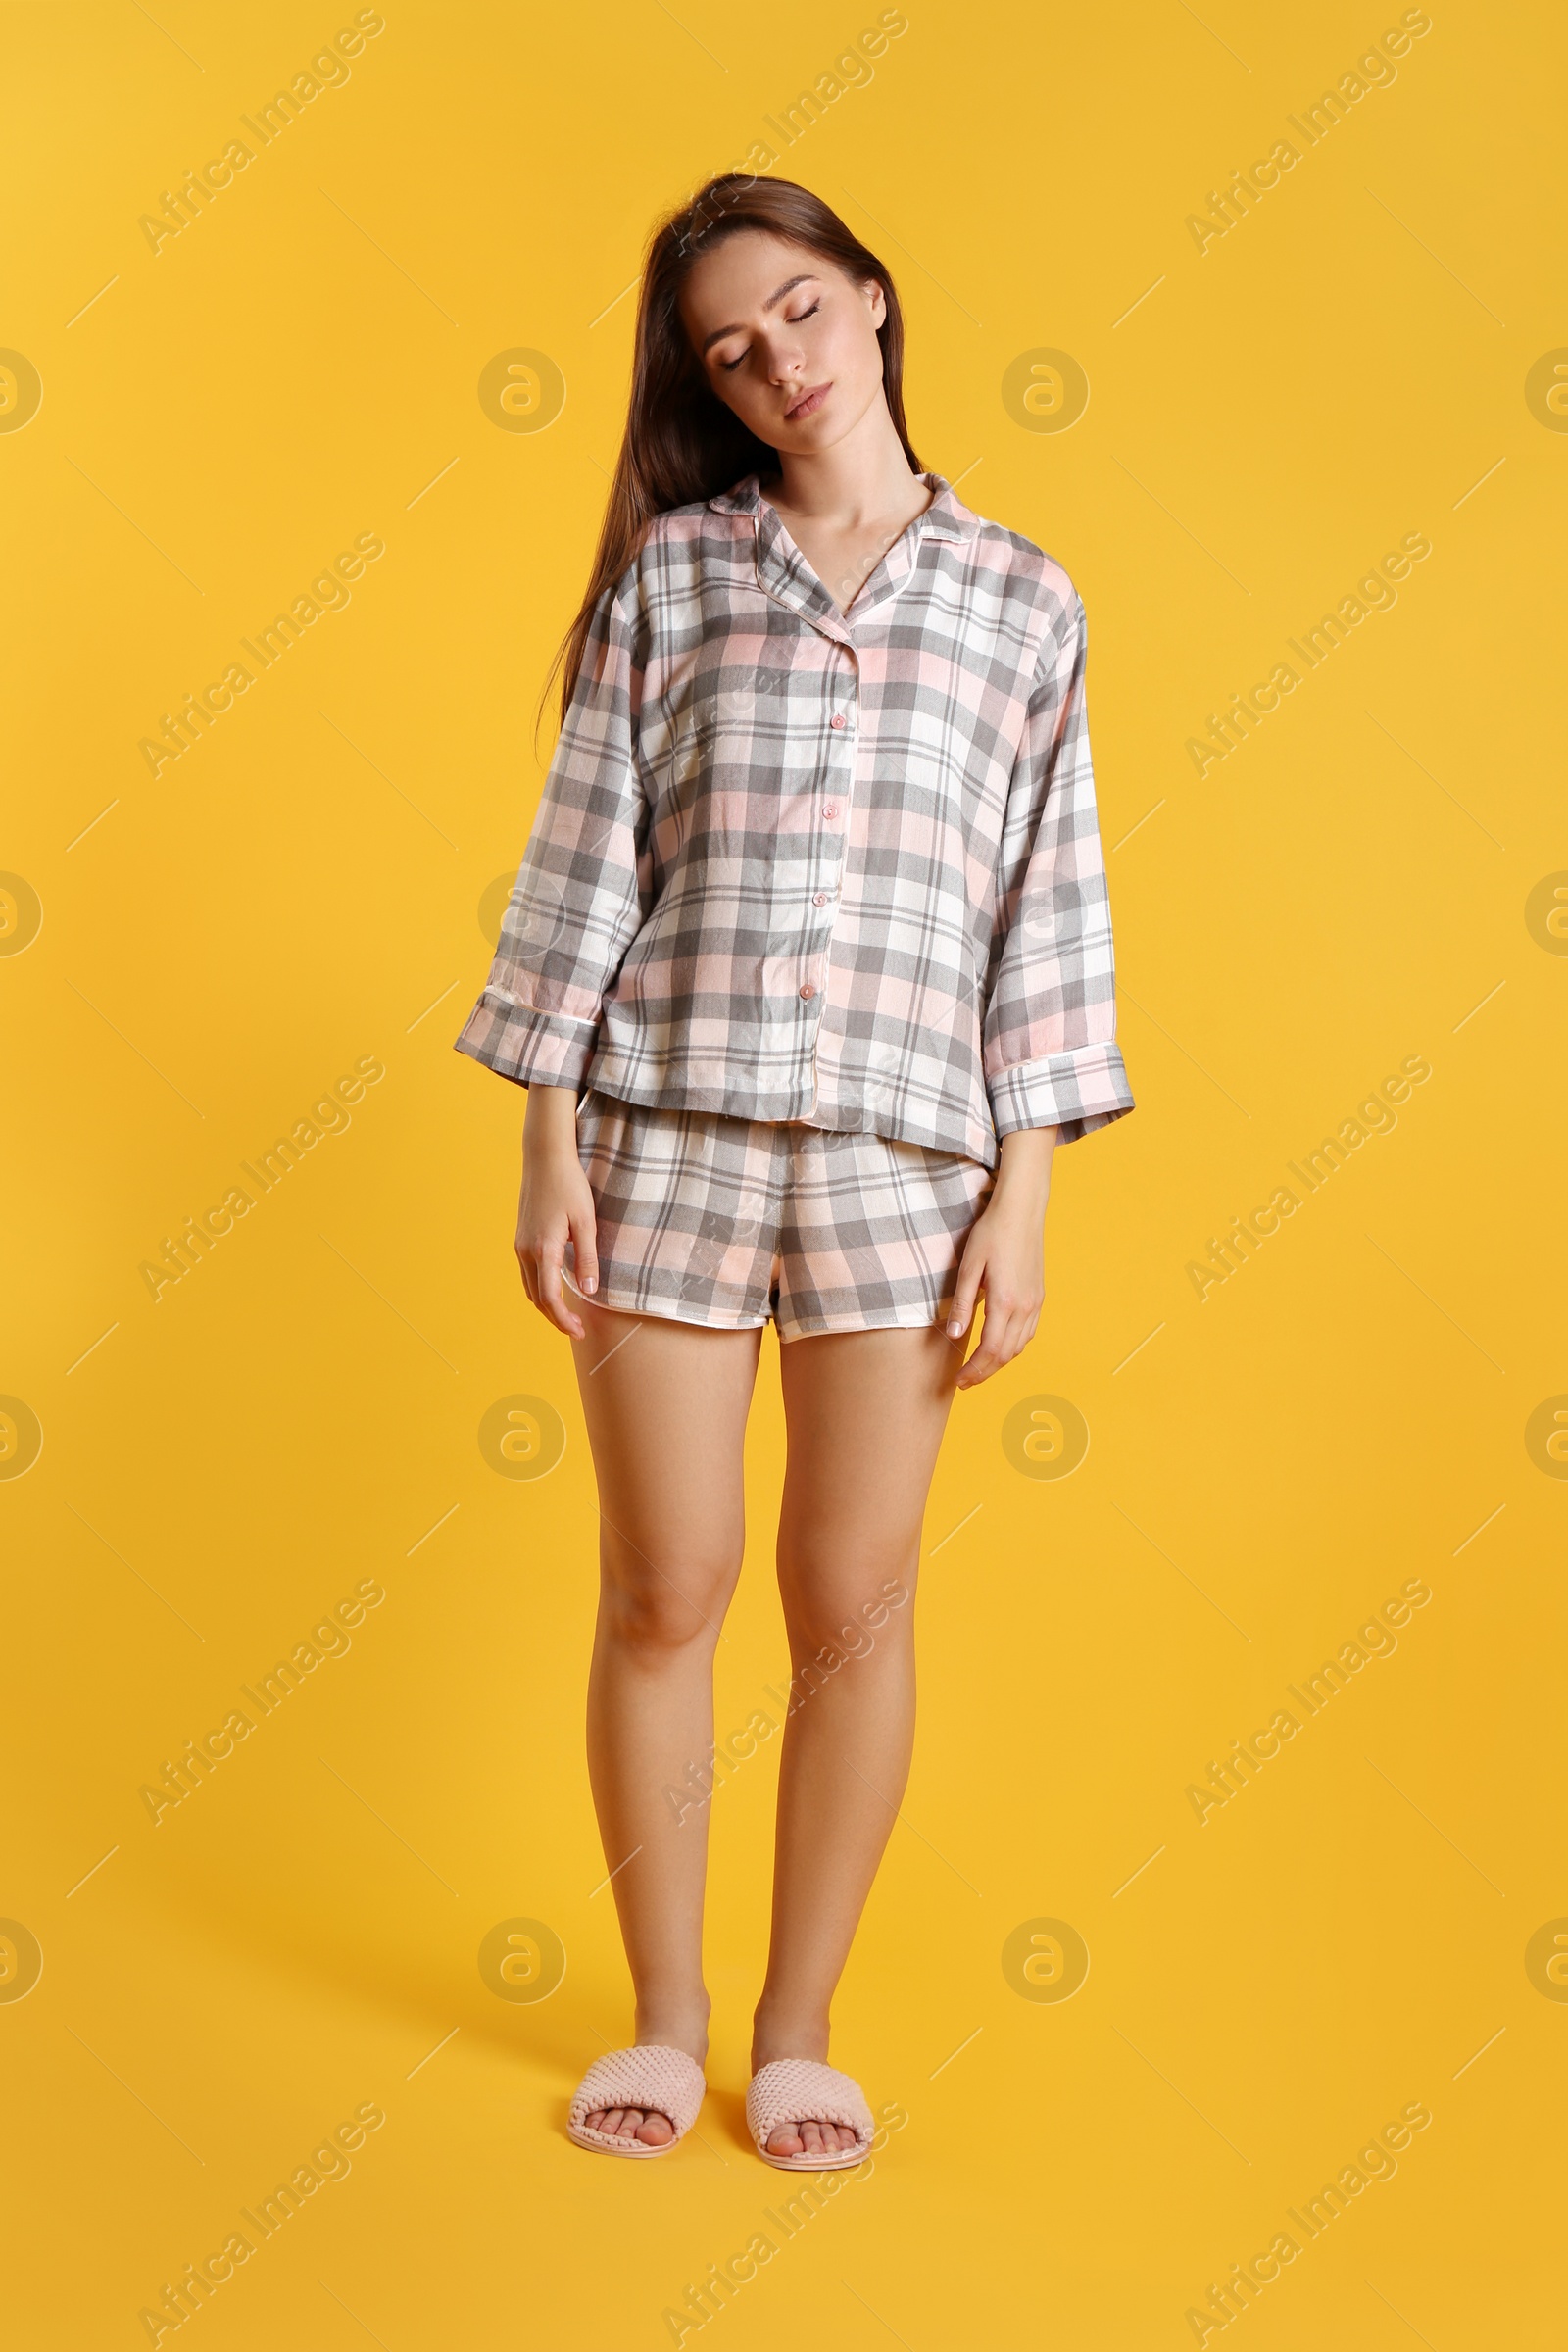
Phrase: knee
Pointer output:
(655, 1612)
(847, 1607)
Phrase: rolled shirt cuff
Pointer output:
(1075, 1092)
(544, 1049)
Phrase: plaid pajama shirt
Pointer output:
(836, 869)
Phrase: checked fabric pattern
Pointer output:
(727, 1222)
(799, 865)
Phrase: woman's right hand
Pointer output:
(555, 1206)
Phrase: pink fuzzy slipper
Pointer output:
(657, 2080)
(802, 2090)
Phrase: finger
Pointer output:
(972, 1272)
(980, 1366)
(1010, 1335)
(549, 1299)
(1008, 1330)
(584, 1242)
(528, 1266)
(993, 1349)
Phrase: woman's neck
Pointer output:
(862, 479)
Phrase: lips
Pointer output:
(807, 404)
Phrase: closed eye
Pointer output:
(729, 365)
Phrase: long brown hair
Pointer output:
(681, 443)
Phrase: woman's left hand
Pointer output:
(1004, 1258)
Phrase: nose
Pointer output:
(786, 361)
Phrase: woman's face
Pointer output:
(785, 339)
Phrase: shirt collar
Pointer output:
(783, 573)
(946, 517)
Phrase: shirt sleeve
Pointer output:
(580, 898)
(1049, 1034)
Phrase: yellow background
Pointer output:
(297, 891)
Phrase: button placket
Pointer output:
(807, 992)
(835, 812)
(833, 808)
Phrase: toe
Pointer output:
(785, 2140)
(647, 2124)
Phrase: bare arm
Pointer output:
(1004, 1256)
(555, 1205)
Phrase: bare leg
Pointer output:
(866, 1412)
(666, 1404)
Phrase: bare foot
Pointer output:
(809, 2139)
(798, 2139)
(646, 2123)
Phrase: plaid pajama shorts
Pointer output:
(709, 1219)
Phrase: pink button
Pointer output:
(837, 719)
(808, 992)
(831, 810)
(820, 899)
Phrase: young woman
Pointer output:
(807, 970)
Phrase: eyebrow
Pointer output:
(776, 297)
